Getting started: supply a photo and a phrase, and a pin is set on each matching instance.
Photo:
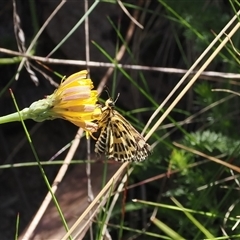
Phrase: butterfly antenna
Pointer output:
(107, 91)
(117, 98)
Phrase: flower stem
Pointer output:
(12, 117)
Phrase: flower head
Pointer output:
(74, 101)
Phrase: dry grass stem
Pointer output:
(57, 180)
(228, 165)
(178, 71)
(192, 81)
(199, 72)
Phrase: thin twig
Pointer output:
(190, 71)
(182, 93)
(214, 159)
(56, 181)
(114, 200)
(119, 55)
(88, 164)
(102, 193)
(226, 90)
(38, 35)
(129, 15)
(124, 66)
(20, 37)
(99, 89)
(94, 5)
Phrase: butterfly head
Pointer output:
(110, 103)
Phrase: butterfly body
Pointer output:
(118, 139)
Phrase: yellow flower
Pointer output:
(74, 101)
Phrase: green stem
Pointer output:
(13, 117)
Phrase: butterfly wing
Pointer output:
(119, 140)
(128, 144)
(101, 144)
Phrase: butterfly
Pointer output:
(118, 139)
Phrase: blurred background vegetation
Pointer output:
(174, 34)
